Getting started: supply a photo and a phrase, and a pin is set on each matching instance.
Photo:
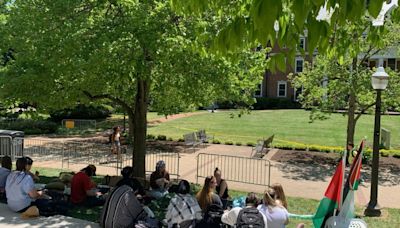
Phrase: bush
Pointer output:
(384, 153)
(216, 141)
(228, 143)
(82, 112)
(396, 155)
(238, 143)
(250, 144)
(170, 139)
(181, 140)
(150, 137)
(30, 127)
(161, 137)
(275, 103)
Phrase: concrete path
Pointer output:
(298, 180)
(9, 219)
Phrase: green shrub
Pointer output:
(82, 112)
(384, 153)
(275, 103)
(216, 141)
(228, 143)
(181, 140)
(396, 155)
(250, 144)
(31, 127)
(161, 137)
(238, 143)
(150, 137)
(170, 139)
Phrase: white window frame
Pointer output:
(302, 40)
(261, 90)
(277, 90)
(295, 64)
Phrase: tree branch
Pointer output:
(363, 110)
(108, 96)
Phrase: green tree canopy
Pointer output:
(133, 53)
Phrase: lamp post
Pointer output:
(379, 82)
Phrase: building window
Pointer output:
(302, 43)
(281, 89)
(299, 65)
(258, 92)
(297, 92)
(392, 64)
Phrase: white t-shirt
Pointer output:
(18, 185)
(276, 216)
(230, 217)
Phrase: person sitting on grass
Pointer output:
(280, 197)
(83, 189)
(277, 216)
(20, 189)
(236, 216)
(29, 163)
(5, 170)
(122, 208)
(183, 209)
(222, 187)
(206, 196)
(159, 181)
(127, 179)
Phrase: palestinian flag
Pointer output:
(332, 197)
(353, 179)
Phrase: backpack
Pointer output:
(250, 217)
(212, 217)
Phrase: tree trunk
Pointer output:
(140, 129)
(131, 126)
(351, 122)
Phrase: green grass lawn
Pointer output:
(390, 217)
(287, 125)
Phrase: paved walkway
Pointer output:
(298, 180)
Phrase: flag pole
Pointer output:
(342, 182)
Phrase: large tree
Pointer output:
(335, 82)
(133, 53)
(282, 22)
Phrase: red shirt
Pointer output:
(79, 185)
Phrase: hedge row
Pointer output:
(31, 127)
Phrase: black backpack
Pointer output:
(250, 217)
(212, 217)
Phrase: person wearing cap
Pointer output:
(159, 181)
(83, 189)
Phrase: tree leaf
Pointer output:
(374, 7)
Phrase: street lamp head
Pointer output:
(380, 79)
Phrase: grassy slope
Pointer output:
(291, 125)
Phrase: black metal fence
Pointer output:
(235, 169)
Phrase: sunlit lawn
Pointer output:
(287, 125)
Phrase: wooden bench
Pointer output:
(191, 141)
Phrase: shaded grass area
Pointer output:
(287, 125)
(390, 217)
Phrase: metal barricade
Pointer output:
(254, 171)
(12, 147)
(78, 124)
(171, 160)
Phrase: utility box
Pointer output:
(11, 144)
(385, 138)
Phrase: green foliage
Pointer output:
(228, 143)
(216, 141)
(161, 137)
(250, 144)
(274, 103)
(150, 137)
(170, 139)
(238, 143)
(30, 127)
(82, 112)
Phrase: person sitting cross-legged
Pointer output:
(183, 209)
(159, 181)
(249, 216)
(83, 190)
(122, 208)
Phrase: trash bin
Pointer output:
(11, 143)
